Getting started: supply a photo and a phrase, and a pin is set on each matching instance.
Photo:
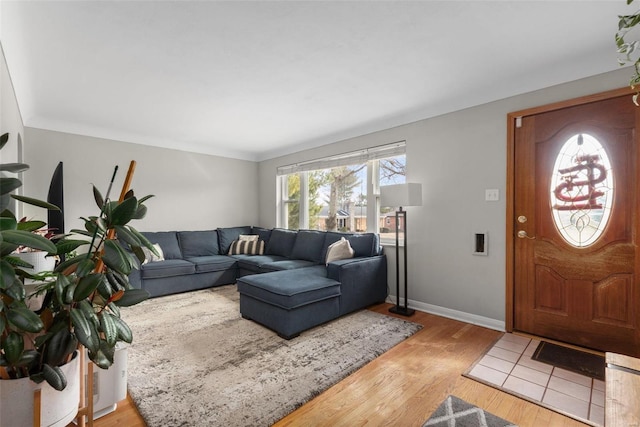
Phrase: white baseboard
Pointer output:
(462, 316)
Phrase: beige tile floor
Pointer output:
(508, 365)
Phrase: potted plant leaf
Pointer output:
(629, 48)
(80, 297)
(41, 261)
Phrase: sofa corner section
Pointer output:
(363, 281)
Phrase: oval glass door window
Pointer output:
(581, 190)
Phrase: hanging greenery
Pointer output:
(629, 49)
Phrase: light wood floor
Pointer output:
(403, 386)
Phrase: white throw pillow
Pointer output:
(150, 256)
(248, 237)
(339, 250)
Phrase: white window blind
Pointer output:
(346, 159)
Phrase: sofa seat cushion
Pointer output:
(290, 289)
(288, 264)
(167, 268)
(205, 264)
(254, 262)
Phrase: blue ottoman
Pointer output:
(290, 301)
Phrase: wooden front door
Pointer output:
(576, 224)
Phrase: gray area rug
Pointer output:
(195, 361)
(455, 412)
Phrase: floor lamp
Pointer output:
(397, 196)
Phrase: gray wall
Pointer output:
(10, 120)
(456, 157)
(192, 191)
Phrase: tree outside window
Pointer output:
(338, 198)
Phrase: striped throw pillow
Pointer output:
(246, 247)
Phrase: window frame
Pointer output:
(371, 157)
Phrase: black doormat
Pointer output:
(570, 359)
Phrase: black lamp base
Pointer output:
(396, 309)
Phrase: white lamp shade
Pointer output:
(409, 194)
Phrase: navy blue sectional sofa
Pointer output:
(288, 288)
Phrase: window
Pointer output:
(341, 193)
(291, 199)
(582, 188)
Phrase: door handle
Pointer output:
(523, 235)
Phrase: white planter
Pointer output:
(38, 259)
(58, 408)
(109, 385)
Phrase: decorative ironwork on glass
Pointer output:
(581, 190)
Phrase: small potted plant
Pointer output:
(80, 299)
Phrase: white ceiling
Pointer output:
(254, 80)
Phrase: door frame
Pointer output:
(510, 189)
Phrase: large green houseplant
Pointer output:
(81, 297)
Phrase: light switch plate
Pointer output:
(492, 195)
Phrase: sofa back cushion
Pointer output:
(339, 250)
(281, 242)
(330, 238)
(365, 244)
(168, 241)
(226, 236)
(308, 246)
(198, 243)
(263, 233)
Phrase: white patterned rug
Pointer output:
(195, 361)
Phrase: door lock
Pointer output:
(522, 219)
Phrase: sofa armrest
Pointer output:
(363, 280)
